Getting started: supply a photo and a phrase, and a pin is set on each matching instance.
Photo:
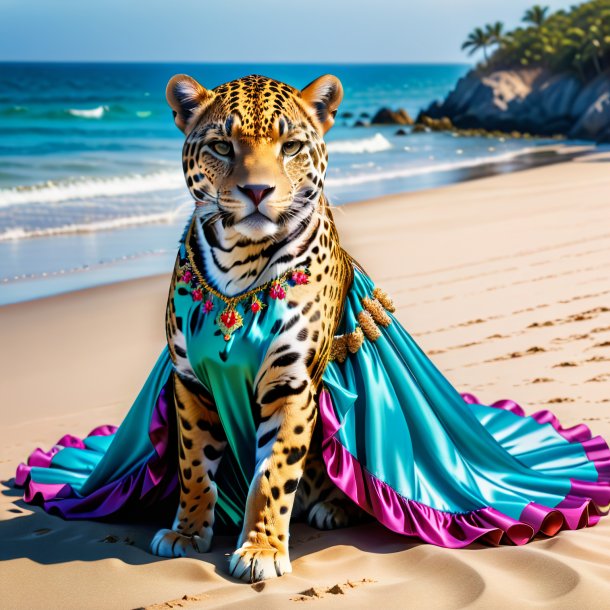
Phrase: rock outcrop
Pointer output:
(528, 101)
(387, 116)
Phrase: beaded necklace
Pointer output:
(229, 319)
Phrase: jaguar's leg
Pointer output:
(318, 499)
(201, 441)
(283, 439)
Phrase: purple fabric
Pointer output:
(148, 485)
(42, 459)
(583, 506)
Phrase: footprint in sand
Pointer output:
(471, 322)
(184, 601)
(599, 378)
(112, 539)
(42, 531)
(589, 314)
(338, 589)
(570, 338)
(528, 352)
(597, 359)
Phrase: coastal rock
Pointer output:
(590, 93)
(440, 124)
(527, 101)
(594, 124)
(592, 111)
(387, 116)
(361, 123)
(547, 108)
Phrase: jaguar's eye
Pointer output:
(290, 149)
(224, 149)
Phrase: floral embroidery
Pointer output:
(300, 277)
(229, 319)
(277, 291)
(256, 304)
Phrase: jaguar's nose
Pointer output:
(256, 192)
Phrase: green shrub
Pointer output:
(577, 40)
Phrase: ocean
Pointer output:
(91, 187)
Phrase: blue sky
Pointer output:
(341, 31)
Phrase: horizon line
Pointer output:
(241, 63)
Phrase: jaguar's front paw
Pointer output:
(253, 563)
(168, 543)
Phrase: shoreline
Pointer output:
(20, 288)
(503, 281)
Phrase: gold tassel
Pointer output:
(355, 340)
(342, 344)
(384, 299)
(338, 350)
(375, 308)
(368, 326)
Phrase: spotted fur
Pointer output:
(257, 131)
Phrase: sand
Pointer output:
(503, 280)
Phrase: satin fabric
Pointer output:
(398, 439)
(406, 424)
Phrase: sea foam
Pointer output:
(376, 143)
(89, 113)
(17, 233)
(87, 188)
(433, 168)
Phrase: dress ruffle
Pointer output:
(582, 507)
(147, 485)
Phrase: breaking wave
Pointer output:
(87, 188)
(377, 143)
(89, 113)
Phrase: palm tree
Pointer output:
(477, 39)
(536, 15)
(495, 31)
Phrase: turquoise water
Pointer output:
(91, 189)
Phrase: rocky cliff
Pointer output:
(529, 100)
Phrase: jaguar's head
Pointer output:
(254, 155)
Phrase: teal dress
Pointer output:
(398, 439)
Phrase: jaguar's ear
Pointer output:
(324, 95)
(185, 95)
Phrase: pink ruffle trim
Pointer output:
(582, 507)
(42, 459)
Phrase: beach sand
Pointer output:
(502, 280)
